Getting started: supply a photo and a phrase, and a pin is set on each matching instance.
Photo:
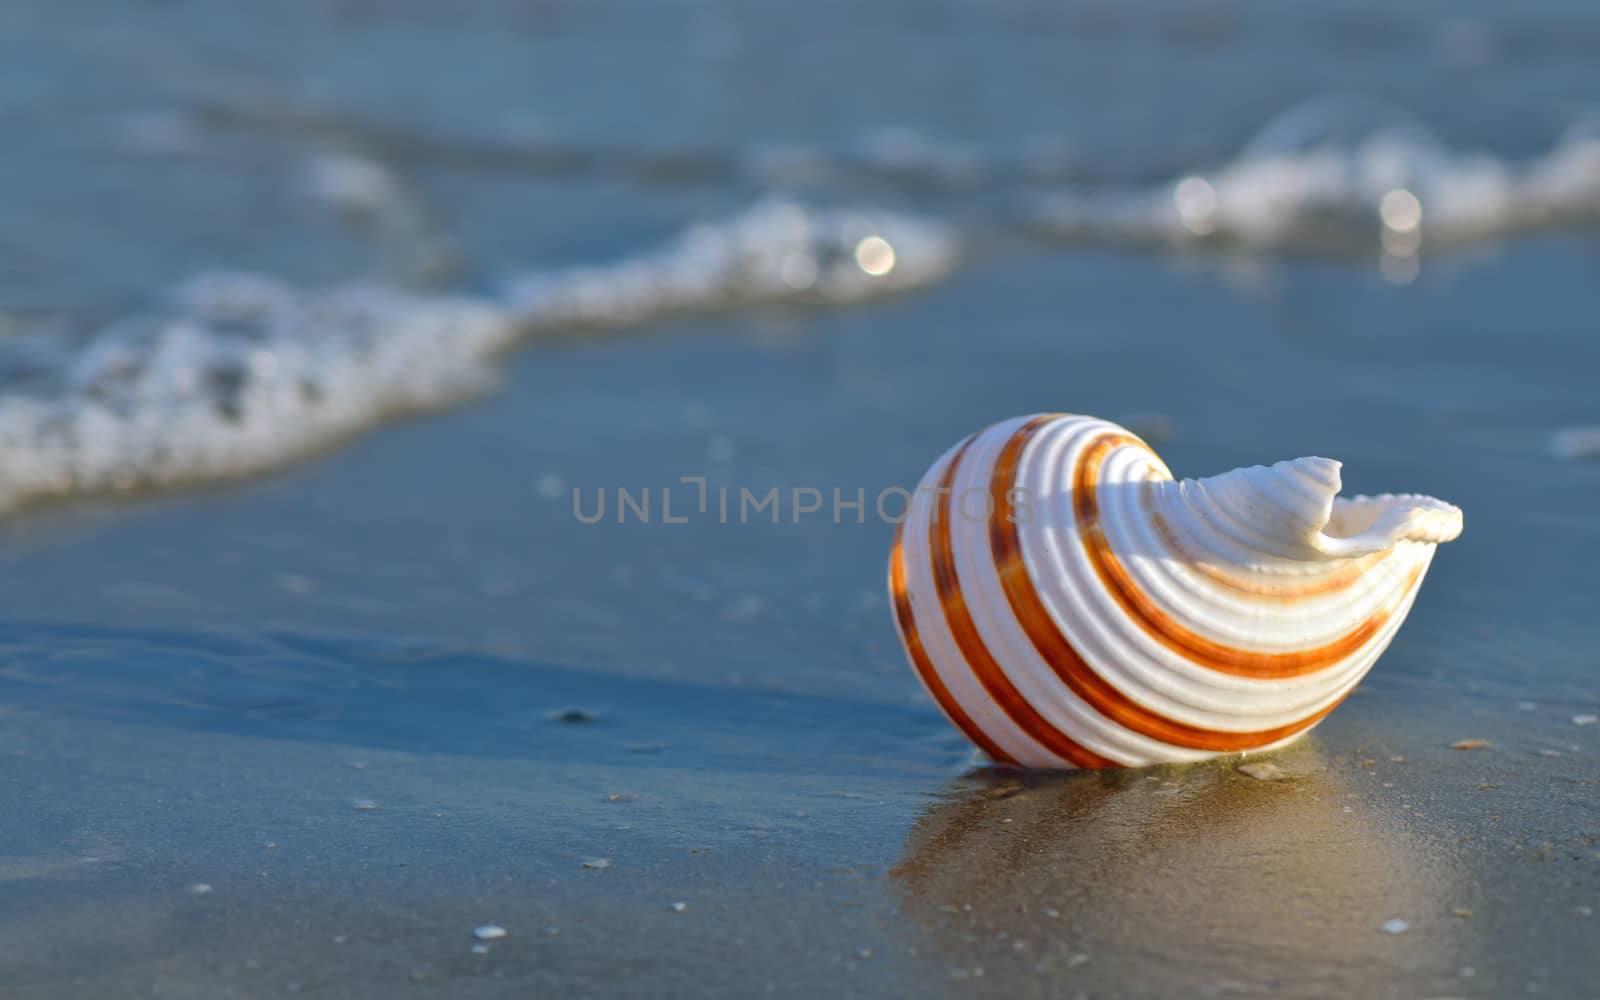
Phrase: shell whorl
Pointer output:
(1069, 604)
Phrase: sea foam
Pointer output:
(1343, 176)
(243, 372)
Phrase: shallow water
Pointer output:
(335, 692)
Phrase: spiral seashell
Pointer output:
(1067, 603)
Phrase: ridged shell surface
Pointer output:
(1067, 603)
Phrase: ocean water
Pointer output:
(317, 320)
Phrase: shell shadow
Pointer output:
(1177, 881)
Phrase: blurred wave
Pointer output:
(1343, 176)
(775, 252)
(244, 372)
(1323, 161)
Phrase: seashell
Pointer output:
(1067, 603)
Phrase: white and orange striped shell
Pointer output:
(1067, 603)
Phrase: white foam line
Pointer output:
(245, 373)
(774, 252)
(1338, 175)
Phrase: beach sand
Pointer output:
(392, 695)
(303, 734)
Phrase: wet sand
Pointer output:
(339, 696)
(204, 814)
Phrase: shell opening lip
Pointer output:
(1292, 510)
(1360, 525)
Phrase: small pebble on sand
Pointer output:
(1396, 926)
(1262, 771)
(489, 932)
(1585, 720)
(1471, 744)
(1368, 763)
(598, 864)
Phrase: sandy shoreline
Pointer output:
(189, 815)
(755, 747)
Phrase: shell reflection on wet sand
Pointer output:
(1194, 881)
